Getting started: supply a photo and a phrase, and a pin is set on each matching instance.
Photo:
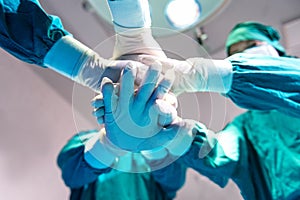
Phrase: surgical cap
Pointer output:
(254, 31)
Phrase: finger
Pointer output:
(141, 72)
(99, 112)
(171, 99)
(149, 60)
(167, 113)
(162, 138)
(100, 120)
(97, 101)
(162, 92)
(164, 85)
(127, 85)
(148, 85)
(107, 91)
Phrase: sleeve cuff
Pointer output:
(217, 74)
(220, 76)
(97, 152)
(67, 56)
(184, 138)
(156, 154)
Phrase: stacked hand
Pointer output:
(95, 68)
(140, 120)
(195, 74)
(133, 121)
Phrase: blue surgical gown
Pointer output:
(87, 183)
(266, 83)
(27, 31)
(259, 151)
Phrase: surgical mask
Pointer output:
(264, 49)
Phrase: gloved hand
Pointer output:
(130, 13)
(132, 22)
(73, 59)
(176, 137)
(196, 74)
(95, 68)
(133, 121)
(167, 99)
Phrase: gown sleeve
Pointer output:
(76, 172)
(171, 178)
(27, 31)
(222, 156)
(266, 83)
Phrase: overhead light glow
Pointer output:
(168, 16)
(182, 14)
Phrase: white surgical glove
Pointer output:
(132, 22)
(130, 13)
(100, 153)
(196, 74)
(74, 60)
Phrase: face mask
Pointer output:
(264, 49)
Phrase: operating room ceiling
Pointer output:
(85, 26)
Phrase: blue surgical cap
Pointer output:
(254, 31)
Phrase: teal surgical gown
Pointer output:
(27, 31)
(259, 151)
(88, 183)
(266, 83)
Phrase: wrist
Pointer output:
(100, 153)
(130, 13)
(216, 74)
(184, 138)
(136, 41)
(67, 56)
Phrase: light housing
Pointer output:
(164, 17)
(182, 14)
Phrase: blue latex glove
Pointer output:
(168, 98)
(132, 120)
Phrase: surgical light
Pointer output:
(169, 16)
(182, 14)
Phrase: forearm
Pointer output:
(213, 155)
(136, 41)
(171, 178)
(202, 75)
(74, 60)
(43, 41)
(266, 83)
(27, 31)
(132, 22)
